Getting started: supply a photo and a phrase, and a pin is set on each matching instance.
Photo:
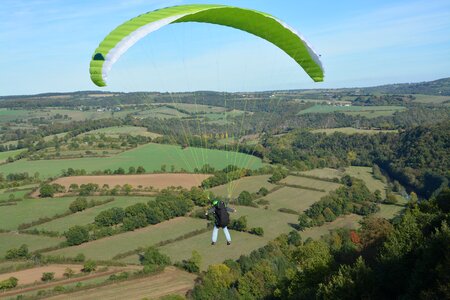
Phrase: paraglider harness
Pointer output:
(220, 210)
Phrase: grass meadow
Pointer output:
(151, 156)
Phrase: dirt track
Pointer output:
(158, 181)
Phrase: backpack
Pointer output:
(222, 216)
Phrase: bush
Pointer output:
(79, 204)
(192, 265)
(263, 191)
(76, 235)
(89, 266)
(80, 257)
(9, 283)
(245, 198)
(152, 256)
(303, 222)
(18, 253)
(46, 190)
(68, 273)
(239, 224)
(48, 276)
(257, 231)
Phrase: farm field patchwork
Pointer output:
(311, 183)
(250, 184)
(87, 216)
(34, 274)
(34, 242)
(157, 181)
(107, 248)
(293, 198)
(151, 156)
(431, 99)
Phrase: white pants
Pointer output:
(216, 231)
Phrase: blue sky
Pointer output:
(46, 46)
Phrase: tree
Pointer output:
(78, 204)
(192, 265)
(152, 256)
(18, 253)
(131, 170)
(89, 266)
(140, 170)
(245, 198)
(198, 196)
(46, 190)
(9, 283)
(263, 191)
(350, 282)
(76, 235)
(303, 222)
(48, 276)
(239, 224)
(109, 217)
(257, 231)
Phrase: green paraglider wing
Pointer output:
(260, 24)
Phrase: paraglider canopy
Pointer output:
(258, 23)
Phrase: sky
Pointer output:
(46, 46)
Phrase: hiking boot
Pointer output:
(213, 243)
(228, 243)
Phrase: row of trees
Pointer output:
(170, 203)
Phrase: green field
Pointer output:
(311, 183)
(87, 216)
(161, 112)
(7, 115)
(430, 99)
(116, 131)
(34, 242)
(4, 155)
(29, 210)
(107, 248)
(250, 184)
(347, 221)
(351, 130)
(20, 194)
(150, 156)
(389, 211)
(367, 111)
(293, 198)
(326, 173)
(365, 173)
